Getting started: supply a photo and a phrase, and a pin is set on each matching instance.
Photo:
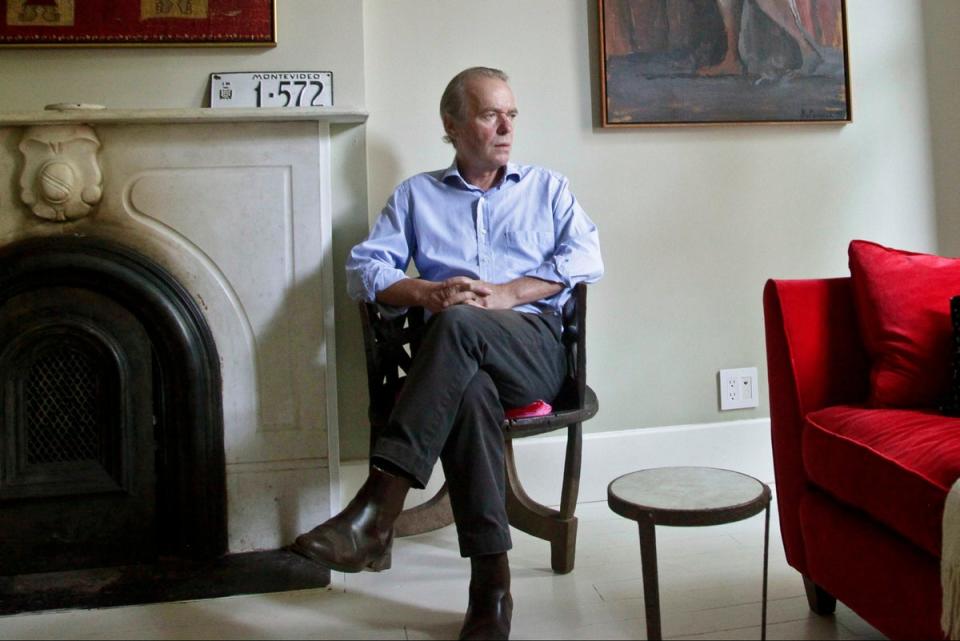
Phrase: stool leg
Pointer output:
(766, 556)
(651, 586)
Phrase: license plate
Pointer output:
(272, 89)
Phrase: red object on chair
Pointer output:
(534, 409)
(860, 490)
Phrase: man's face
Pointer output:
(485, 136)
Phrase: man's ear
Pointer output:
(450, 127)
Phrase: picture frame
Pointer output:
(713, 62)
(132, 23)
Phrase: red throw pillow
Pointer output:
(903, 302)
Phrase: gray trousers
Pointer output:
(471, 364)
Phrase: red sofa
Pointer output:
(860, 490)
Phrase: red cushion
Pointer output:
(903, 303)
(896, 465)
(536, 408)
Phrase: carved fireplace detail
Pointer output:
(61, 177)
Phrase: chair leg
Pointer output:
(563, 548)
(559, 528)
(821, 602)
(570, 490)
(432, 515)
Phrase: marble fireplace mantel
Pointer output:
(235, 204)
(67, 113)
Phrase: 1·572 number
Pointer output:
(294, 93)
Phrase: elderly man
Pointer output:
(498, 248)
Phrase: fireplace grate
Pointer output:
(62, 390)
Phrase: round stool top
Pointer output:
(687, 496)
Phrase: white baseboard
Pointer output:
(743, 446)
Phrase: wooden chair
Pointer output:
(390, 345)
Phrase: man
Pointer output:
(498, 248)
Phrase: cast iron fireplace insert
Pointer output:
(111, 425)
(111, 399)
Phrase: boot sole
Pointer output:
(376, 565)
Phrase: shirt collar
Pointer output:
(452, 175)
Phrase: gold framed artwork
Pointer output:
(678, 62)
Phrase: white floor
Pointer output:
(710, 581)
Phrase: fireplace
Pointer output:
(167, 380)
(112, 428)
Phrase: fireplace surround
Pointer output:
(166, 311)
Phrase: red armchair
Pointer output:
(860, 491)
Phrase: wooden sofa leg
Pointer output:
(821, 601)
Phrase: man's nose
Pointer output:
(506, 125)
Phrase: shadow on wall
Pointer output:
(348, 230)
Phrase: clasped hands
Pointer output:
(461, 290)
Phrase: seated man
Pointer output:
(498, 248)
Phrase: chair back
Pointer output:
(575, 339)
(390, 342)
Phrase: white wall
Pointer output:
(942, 22)
(692, 220)
(312, 35)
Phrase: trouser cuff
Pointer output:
(404, 457)
(473, 544)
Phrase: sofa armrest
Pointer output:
(815, 359)
(815, 354)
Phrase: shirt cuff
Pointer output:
(552, 271)
(381, 279)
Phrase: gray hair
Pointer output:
(453, 103)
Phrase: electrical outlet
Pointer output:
(738, 388)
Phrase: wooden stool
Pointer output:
(686, 497)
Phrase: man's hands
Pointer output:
(461, 290)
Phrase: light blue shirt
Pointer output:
(529, 224)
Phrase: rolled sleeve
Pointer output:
(366, 281)
(382, 259)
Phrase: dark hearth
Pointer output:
(165, 580)
(111, 432)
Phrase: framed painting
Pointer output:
(100, 23)
(679, 62)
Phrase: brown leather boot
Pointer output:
(491, 606)
(361, 536)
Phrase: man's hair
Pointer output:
(453, 103)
